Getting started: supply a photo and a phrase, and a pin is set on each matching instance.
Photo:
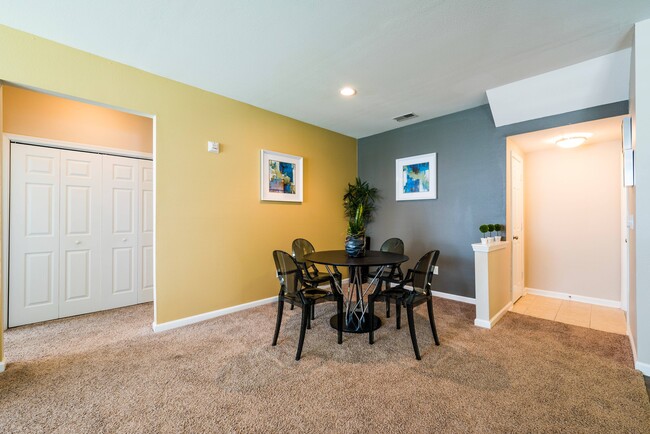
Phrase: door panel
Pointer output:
(119, 233)
(145, 235)
(33, 235)
(81, 208)
(81, 233)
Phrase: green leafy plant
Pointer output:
(497, 228)
(359, 205)
(356, 225)
(490, 228)
(484, 229)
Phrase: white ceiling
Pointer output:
(599, 131)
(431, 57)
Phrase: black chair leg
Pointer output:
(313, 311)
(371, 313)
(398, 313)
(291, 306)
(303, 327)
(339, 308)
(409, 313)
(278, 321)
(308, 309)
(388, 308)
(432, 321)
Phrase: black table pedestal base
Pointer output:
(353, 326)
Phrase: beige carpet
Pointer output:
(107, 372)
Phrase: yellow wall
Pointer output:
(214, 237)
(36, 114)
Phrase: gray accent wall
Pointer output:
(471, 178)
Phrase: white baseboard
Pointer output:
(2, 365)
(454, 297)
(580, 298)
(209, 315)
(489, 324)
(643, 367)
(629, 335)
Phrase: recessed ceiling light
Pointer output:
(572, 141)
(348, 91)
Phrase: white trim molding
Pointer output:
(76, 146)
(2, 365)
(489, 324)
(580, 298)
(629, 335)
(209, 315)
(643, 367)
(462, 299)
(447, 296)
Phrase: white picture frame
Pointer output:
(280, 177)
(416, 177)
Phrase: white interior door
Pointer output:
(120, 231)
(517, 198)
(80, 241)
(145, 235)
(34, 235)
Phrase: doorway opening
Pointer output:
(78, 207)
(566, 219)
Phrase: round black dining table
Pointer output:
(356, 316)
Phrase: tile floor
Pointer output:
(572, 312)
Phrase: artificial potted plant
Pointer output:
(484, 229)
(491, 229)
(358, 205)
(497, 228)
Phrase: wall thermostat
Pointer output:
(213, 147)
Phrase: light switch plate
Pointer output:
(435, 269)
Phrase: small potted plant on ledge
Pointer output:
(484, 229)
(498, 228)
(490, 229)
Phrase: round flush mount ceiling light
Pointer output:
(570, 142)
(348, 91)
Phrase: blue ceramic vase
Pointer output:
(355, 246)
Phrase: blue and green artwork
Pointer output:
(282, 177)
(416, 178)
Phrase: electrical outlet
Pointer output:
(213, 147)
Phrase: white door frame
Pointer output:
(7, 138)
(625, 251)
(510, 230)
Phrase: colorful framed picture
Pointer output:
(415, 177)
(281, 177)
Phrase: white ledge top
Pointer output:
(479, 247)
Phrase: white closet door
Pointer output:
(145, 244)
(81, 210)
(34, 235)
(119, 231)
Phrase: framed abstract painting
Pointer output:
(415, 177)
(281, 177)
